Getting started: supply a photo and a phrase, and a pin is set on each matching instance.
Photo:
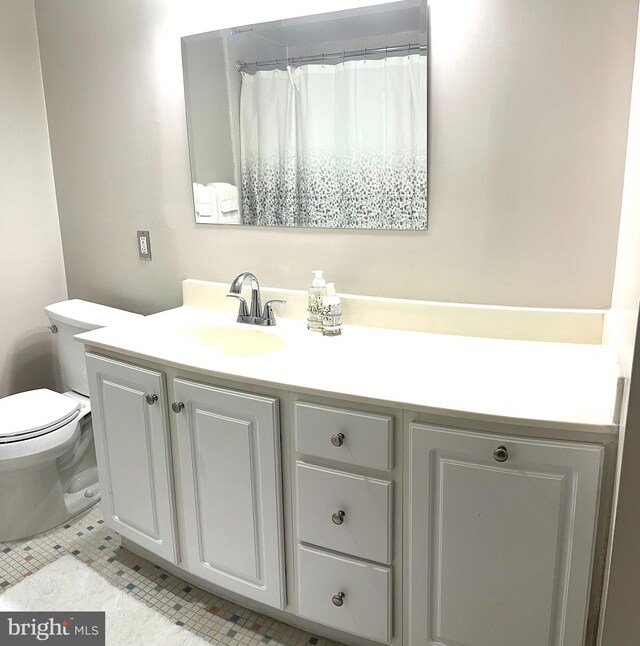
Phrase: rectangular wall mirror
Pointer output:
(318, 121)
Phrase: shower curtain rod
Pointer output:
(321, 58)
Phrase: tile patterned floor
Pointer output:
(90, 540)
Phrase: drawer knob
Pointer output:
(151, 399)
(501, 454)
(176, 407)
(338, 599)
(338, 517)
(337, 439)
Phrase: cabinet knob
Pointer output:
(176, 407)
(338, 599)
(501, 454)
(151, 399)
(338, 518)
(337, 439)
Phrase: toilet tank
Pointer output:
(72, 317)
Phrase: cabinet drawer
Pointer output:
(358, 438)
(364, 527)
(366, 590)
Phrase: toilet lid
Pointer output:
(33, 413)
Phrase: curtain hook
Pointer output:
(365, 54)
(323, 60)
(343, 57)
(386, 51)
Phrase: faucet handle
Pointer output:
(244, 310)
(267, 313)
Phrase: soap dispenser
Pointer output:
(317, 290)
(331, 312)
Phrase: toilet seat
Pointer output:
(35, 413)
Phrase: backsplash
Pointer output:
(524, 323)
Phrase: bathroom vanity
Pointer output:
(384, 486)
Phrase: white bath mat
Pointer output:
(68, 585)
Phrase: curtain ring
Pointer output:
(365, 54)
(322, 60)
(343, 57)
(386, 51)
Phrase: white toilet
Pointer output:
(48, 468)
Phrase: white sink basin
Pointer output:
(233, 341)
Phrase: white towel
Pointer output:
(226, 196)
(230, 217)
(203, 199)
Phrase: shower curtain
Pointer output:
(336, 145)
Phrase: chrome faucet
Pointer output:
(252, 314)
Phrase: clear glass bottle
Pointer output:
(331, 312)
(317, 290)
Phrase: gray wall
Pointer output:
(31, 267)
(210, 149)
(528, 118)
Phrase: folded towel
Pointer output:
(201, 193)
(204, 209)
(203, 200)
(230, 217)
(228, 206)
(226, 196)
(224, 191)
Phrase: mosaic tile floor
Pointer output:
(90, 540)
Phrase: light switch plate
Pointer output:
(144, 245)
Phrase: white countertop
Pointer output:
(555, 385)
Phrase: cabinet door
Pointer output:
(133, 452)
(229, 446)
(501, 538)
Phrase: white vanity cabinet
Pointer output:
(501, 536)
(230, 481)
(131, 431)
(396, 531)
